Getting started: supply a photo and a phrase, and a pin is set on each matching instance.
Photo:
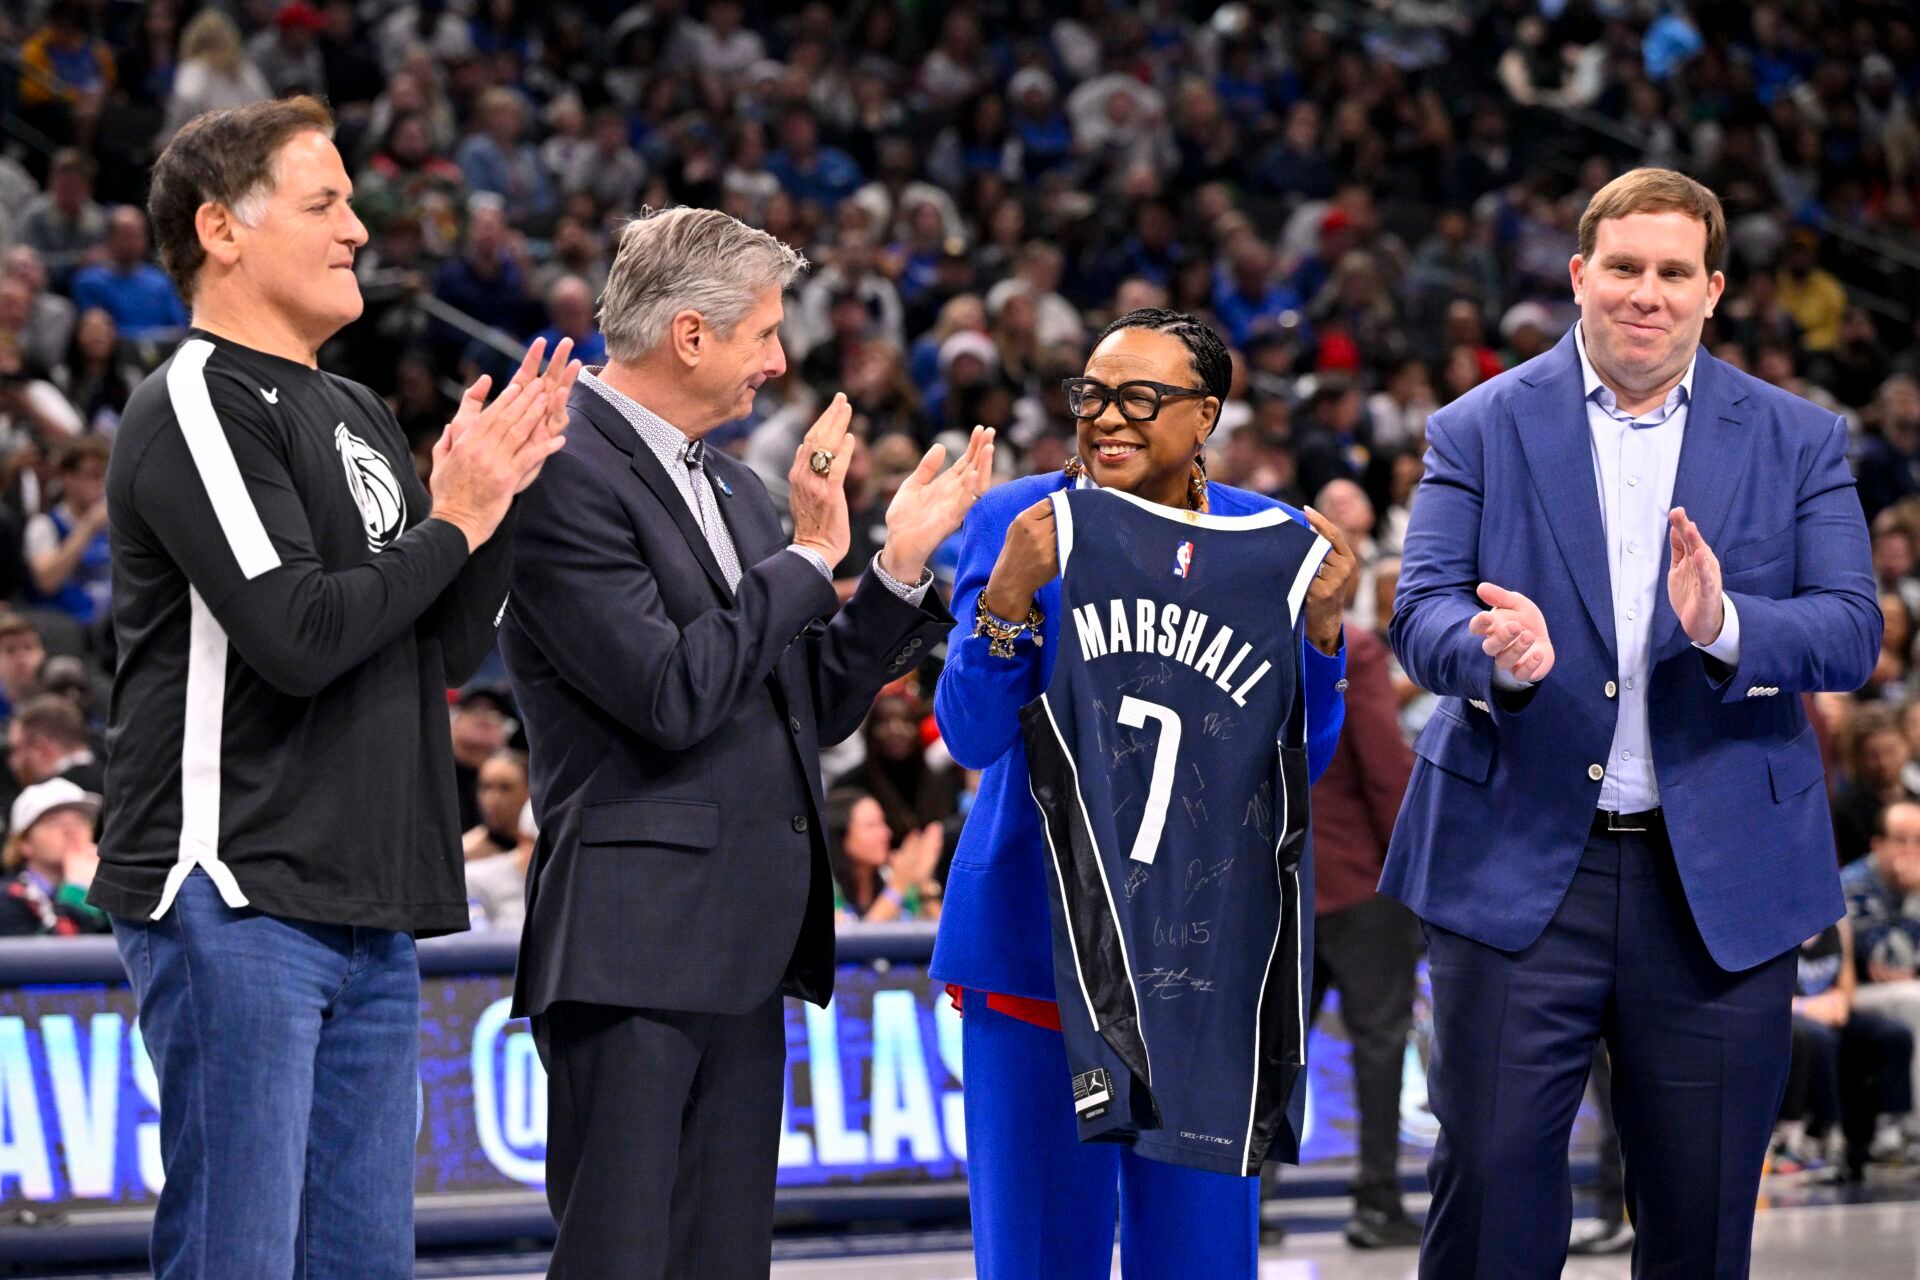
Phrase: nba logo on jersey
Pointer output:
(1182, 559)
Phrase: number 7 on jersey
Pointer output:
(1134, 714)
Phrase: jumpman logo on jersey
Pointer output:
(271, 397)
(1182, 559)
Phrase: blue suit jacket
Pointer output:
(1501, 798)
(994, 930)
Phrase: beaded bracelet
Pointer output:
(999, 632)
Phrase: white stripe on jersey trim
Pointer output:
(1260, 1002)
(213, 459)
(200, 761)
(1119, 929)
(1206, 519)
(1304, 578)
(1062, 526)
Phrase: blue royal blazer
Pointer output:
(1504, 789)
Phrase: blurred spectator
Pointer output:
(1809, 292)
(64, 224)
(352, 69)
(498, 850)
(876, 880)
(49, 862)
(570, 315)
(21, 653)
(1246, 297)
(1892, 672)
(429, 25)
(214, 71)
(722, 46)
(138, 295)
(1366, 946)
(31, 406)
(1875, 751)
(408, 177)
(501, 789)
(96, 375)
(1849, 1066)
(1883, 907)
(497, 159)
(609, 169)
(488, 280)
(67, 73)
(1405, 469)
(808, 169)
(47, 327)
(911, 792)
(575, 252)
(1327, 440)
(288, 53)
(68, 560)
(422, 408)
(1037, 274)
(481, 730)
(47, 738)
(1347, 505)
(853, 272)
(1397, 414)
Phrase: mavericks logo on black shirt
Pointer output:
(383, 508)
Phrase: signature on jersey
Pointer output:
(1200, 875)
(1171, 984)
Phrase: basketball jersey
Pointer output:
(1168, 758)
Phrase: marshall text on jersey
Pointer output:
(1168, 758)
(288, 622)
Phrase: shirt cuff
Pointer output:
(815, 559)
(1507, 682)
(913, 594)
(1727, 647)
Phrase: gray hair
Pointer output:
(675, 260)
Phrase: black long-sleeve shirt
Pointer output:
(288, 620)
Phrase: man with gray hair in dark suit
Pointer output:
(679, 662)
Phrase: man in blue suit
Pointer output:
(1615, 828)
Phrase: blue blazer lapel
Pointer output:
(1715, 448)
(1550, 417)
(621, 434)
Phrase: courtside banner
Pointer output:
(873, 1080)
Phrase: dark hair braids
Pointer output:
(1211, 363)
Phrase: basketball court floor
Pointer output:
(1871, 1241)
(1854, 1242)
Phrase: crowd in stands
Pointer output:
(1373, 201)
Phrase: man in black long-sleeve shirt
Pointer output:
(291, 605)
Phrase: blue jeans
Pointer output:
(288, 1060)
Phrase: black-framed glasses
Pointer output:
(1139, 399)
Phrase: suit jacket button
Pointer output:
(793, 723)
(1595, 772)
(1612, 688)
(913, 643)
(800, 819)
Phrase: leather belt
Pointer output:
(1608, 823)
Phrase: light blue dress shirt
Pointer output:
(1635, 460)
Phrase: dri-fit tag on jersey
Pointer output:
(1092, 1094)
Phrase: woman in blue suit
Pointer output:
(1044, 1205)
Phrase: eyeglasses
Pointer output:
(1139, 399)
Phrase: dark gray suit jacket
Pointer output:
(676, 728)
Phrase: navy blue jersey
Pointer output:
(1168, 758)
